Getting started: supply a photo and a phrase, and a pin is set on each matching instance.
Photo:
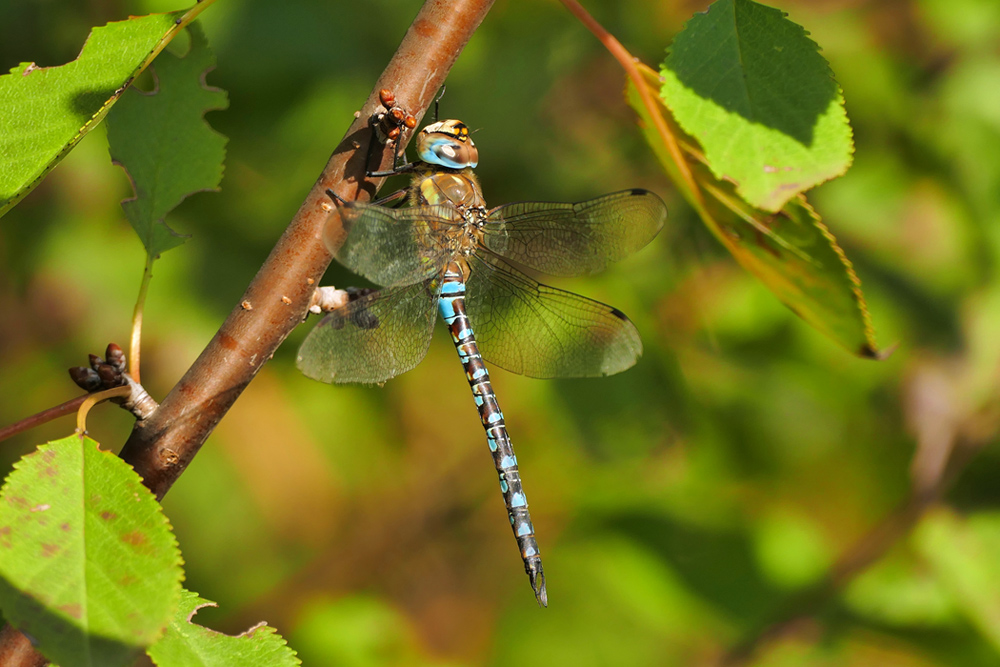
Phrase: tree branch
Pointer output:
(161, 447)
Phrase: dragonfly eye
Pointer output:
(447, 144)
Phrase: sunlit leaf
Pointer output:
(965, 556)
(791, 251)
(88, 565)
(369, 632)
(752, 88)
(191, 645)
(45, 111)
(164, 143)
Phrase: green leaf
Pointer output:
(165, 145)
(965, 556)
(195, 646)
(754, 91)
(88, 565)
(45, 111)
(791, 251)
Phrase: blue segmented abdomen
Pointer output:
(452, 307)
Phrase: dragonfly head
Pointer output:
(447, 143)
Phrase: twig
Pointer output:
(67, 408)
(140, 304)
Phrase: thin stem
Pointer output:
(98, 397)
(140, 304)
(67, 408)
(629, 64)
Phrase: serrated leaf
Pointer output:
(791, 251)
(45, 111)
(165, 145)
(88, 565)
(191, 645)
(752, 88)
(964, 554)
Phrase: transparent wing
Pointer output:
(372, 339)
(574, 239)
(391, 246)
(539, 331)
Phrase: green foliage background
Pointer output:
(678, 505)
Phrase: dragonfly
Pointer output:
(447, 253)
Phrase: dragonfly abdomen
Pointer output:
(452, 307)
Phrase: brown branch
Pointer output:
(61, 410)
(16, 650)
(161, 447)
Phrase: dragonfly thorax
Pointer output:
(445, 188)
(459, 191)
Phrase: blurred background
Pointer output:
(748, 483)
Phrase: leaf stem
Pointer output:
(140, 304)
(61, 410)
(93, 399)
(630, 64)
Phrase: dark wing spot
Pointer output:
(619, 314)
(364, 319)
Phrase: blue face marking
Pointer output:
(518, 500)
(436, 151)
(508, 462)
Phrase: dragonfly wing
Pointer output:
(574, 239)
(540, 331)
(394, 246)
(372, 339)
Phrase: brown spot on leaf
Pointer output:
(51, 471)
(49, 550)
(108, 515)
(65, 526)
(135, 537)
(73, 610)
